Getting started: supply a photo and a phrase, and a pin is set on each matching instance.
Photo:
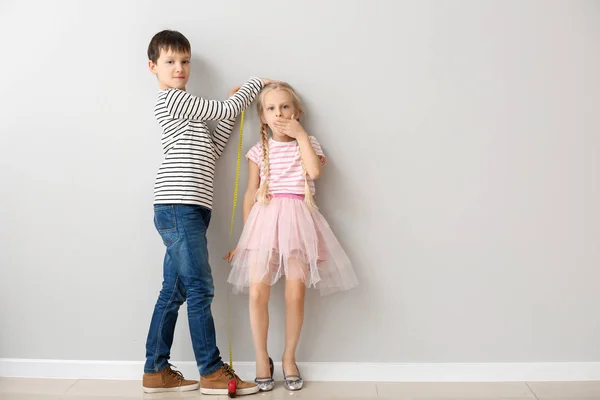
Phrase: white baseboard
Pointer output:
(321, 371)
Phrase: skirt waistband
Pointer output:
(288, 196)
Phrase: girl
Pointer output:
(284, 233)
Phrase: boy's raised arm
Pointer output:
(182, 105)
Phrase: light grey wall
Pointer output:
(463, 141)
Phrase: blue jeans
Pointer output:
(186, 276)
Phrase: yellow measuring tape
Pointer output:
(231, 224)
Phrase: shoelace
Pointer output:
(230, 372)
(175, 373)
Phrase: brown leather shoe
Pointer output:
(167, 380)
(216, 383)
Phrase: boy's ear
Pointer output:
(152, 67)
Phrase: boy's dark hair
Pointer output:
(167, 40)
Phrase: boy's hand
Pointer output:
(229, 256)
(234, 90)
(289, 127)
(267, 81)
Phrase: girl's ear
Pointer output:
(262, 118)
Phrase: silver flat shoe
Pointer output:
(292, 382)
(266, 384)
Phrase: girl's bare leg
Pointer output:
(259, 321)
(295, 290)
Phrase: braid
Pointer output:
(263, 190)
(308, 197)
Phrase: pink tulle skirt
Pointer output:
(284, 237)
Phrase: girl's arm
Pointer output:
(253, 184)
(312, 162)
(249, 197)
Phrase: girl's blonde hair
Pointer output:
(262, 195)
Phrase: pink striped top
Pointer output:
(285, 165)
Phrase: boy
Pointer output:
(182, 209)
